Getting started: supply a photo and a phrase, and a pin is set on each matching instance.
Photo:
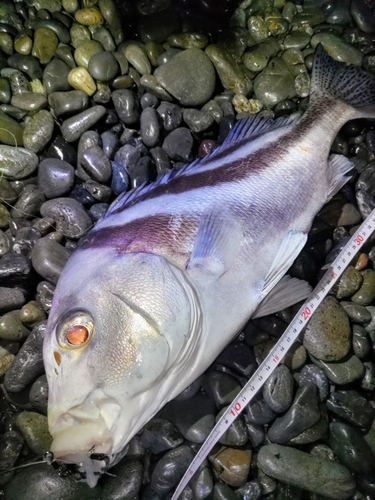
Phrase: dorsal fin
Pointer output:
(245, 129)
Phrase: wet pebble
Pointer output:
(38, 396)
(11, 445)
(72, 128)
(178, 144)
(69, 215)
(55, 76)
(313, 374)
(125, 483)
(327, 335)
(103, 66)
(232, 465)
(96, 164)
(352, 407)
(68, 103)
(346, 371)
(28, 203)
(28, 363)
(278, 389)
(32, 313)
(171, 115)
(126, 105)
(56, 177)
(49, 258)
(170, 469)
(38, 131)
(34, 429)
(366, 294)
(160, 435)
(10, 299)
(11, 327)
(349, 283)
(298, 468)
(220, 387)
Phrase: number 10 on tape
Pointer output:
(282, 346)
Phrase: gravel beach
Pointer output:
(97, 98)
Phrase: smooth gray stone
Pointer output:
(56, 177)
(366, 203)
(110, 143)
(221, 387)
(171, 115)
(29, 101)
(68, 103)
(278, 389)
(96, 164)
(313, 374)
(14, 269)
(28, 363)
(170, 469)
(5, 93)
(10, 299)
(126, 105)
(25, 239)
(150, 127)
(251, 490)
(52, 24)
(352, 407)
(302, 415)
(255, 433)
(194, 418)
(38, 131)
(125, 484)
(179, 145)
(357, 313)
(189, 77)
(70, 217)
(343, 372)
(103, 66)
(295, 467)
(27, 64)
(151, 101)
(28, 203)
(239, 358)
(160, 435)
(49, 258)
(363, 14)
(11, 445)
(87, 139)
(72, 128)
(38, 395)
(44, 294)
(198, 121)
(55, 76)
(259, 413)
(44, 483)
(351, 448)
(236, 434)
(103, 36)
(361, 342)
(5, 243)
(98, 191)
(19, 83)
(368, 380)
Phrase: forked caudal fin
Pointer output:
(346, 83)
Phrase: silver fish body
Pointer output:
(175, 269)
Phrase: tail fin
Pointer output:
(347, 83)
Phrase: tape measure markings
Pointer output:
(282, 346)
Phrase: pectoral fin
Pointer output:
(287, 292)
(339, 166)
(289, 248)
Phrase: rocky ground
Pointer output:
(94, 101)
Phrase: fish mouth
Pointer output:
(84, 434)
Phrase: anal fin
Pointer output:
(287, 292)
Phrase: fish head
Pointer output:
(119, 333)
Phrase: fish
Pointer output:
(174, 269)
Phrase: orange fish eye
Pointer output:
(74, 329)
(77, 335)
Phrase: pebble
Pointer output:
(68, 103)
(344, 372)
(179, 144)
(160, 435)
(28, 363)
(137, 58)
(357, 313)
(44, 482)
(72, 128)
(56, 177)
(352, 407)
(10, 299)
(28, 203)
(197, 121)
(171, 115)
(274, 84)
(120, 178)
(349, 283)
(11, 327)
(32, 313)
(298, 468)
(34, 429)
(236, 434)
(11, 445)
(27, 64)
(312, 374)
(363, 15)
(45, 45)
(278, 389)
(127, 106)
(49, 258)
(303, 414)
(232, 465)
(366, 294)
(189, 77)
(38, 131)
(194, 418)
(368, 380)
(89, 16)
(103, 66)
(150, 127)
(202, 482)
(170, 469)
(361, 342)
(14, 269)
(221, 387)
(11, 132)
(366, 203)
(351, 448)
(70, 217)
(327, 335)
(55, 76)
(126, 482)
(96, 164)
(259, 413)
(239, 358)
(80, 79)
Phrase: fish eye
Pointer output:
(75, 329)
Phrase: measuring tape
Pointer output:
(281, 347)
